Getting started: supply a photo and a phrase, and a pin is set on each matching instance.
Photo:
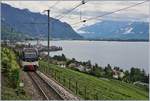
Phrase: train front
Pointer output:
(30, 59)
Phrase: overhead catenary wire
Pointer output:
(69, 11)
(85, 20)
(61, 16)
(54, 5)
(30, 23)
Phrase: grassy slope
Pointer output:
(9, 93)
(9, 76)
(104, 89)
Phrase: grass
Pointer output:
(10, 76)
(9, 93)
(90, 87)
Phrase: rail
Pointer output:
(46, 90)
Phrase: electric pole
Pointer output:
(48, 26)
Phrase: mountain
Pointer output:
(8, 32)
(117, 30)
(23, 20)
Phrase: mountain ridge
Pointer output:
(23, 20)
(122, 30)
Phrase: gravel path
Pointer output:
(29, 86)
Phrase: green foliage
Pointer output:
(108, 71)
(60, 58)
(10, 71)
(15, 78)
(10, 94)
(97, 71)
(96, 88)
(135, 74)
(10, 67)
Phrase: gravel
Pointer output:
(29, 86)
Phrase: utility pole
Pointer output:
(48, 26)
(48, 11)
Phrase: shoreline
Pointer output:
(103, 66)
(91, 40)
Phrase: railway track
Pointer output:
(47, 92)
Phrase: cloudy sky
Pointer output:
(89, 10)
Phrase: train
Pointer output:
(29, 59)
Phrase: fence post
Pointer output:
(58, 74)
(52, 73)
(43, 69)
(76, 87)
(69, 82)
(49, 71)
(85, 92)
(64, 80)
(55, 74)
(46, 69)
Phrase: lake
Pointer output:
(122, 54)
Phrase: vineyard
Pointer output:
(90, 87)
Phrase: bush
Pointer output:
(14, 78)
(10, 67)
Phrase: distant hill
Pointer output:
(119, 30)
(19, 20)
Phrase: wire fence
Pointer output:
(72, 84)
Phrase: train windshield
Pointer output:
(30, 55)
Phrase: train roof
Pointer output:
(30, 49)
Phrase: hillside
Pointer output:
(22, 21)
(8, 32)
(96, 88)
(123, 30)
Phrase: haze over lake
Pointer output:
(122, 54)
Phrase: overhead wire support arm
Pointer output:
(61, 16)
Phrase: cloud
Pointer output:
(89, 10)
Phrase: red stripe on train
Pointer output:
(31, 67)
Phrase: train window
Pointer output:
(30, 55)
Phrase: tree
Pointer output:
(108, 71)
(126, 78)
(89, 63)
(68, 62)
(60, 58)
(144, 77)
(73, 60)
(117, 68)
(135, 74)
(97, 71)
(63, 57)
